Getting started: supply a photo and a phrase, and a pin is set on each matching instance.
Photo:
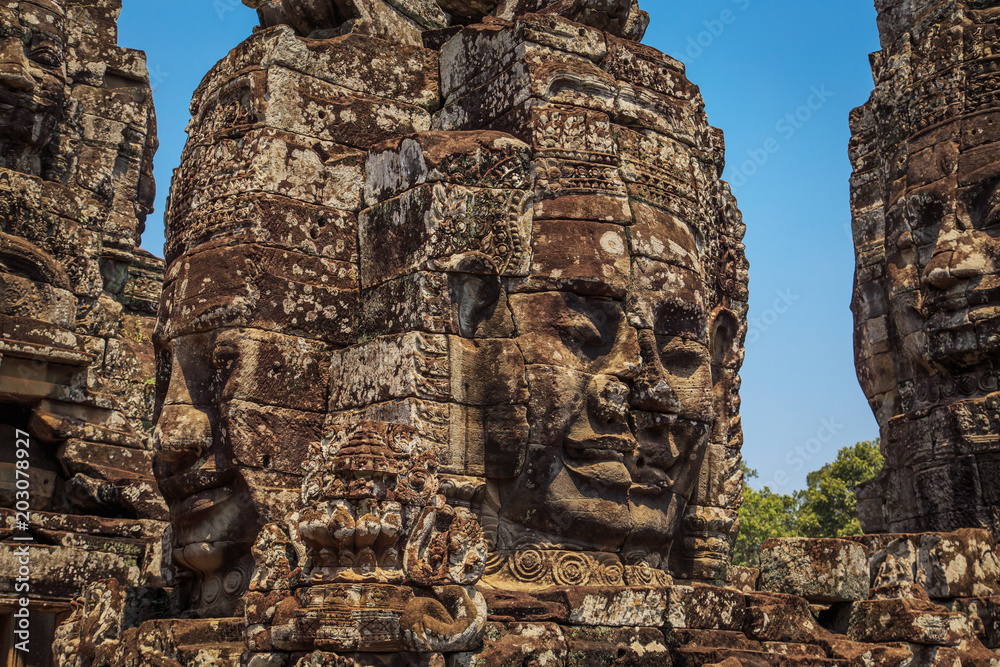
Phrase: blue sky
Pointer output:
(779, 77)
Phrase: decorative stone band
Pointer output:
(929, 392)
(379, 618)
(534, 569)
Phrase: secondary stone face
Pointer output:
(924, 150)
(77, 304)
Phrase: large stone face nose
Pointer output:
(14, 72)
(652, 390)
(608, 403)
(183, 432)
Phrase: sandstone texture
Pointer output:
(441, 275)
(927, 339)
(447, 366)
(817, 570)
(452, 317)
(78, 300)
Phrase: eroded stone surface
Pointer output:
(78, 299)
(448, 357)
(818, 570)
(410, 349)
(925, 297)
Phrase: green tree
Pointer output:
(827, 507)
(764, 514)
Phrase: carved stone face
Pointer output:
(943, 247)
(32, 70)
(208, 499)
(927, 299)
(621, 405)
(241, 406)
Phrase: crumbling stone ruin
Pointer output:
(925, 155)
(926, 340)
(77, 306)
(447, 358)
(445, 307)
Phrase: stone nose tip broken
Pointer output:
(182, 432)
(609, 402)
(14, 71)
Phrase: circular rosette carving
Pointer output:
(572, 569)
(612, 574)
(528, 566)
(644, 575)
(494, 563)
(418, 485)
(640, 575)
(211, 590)
(235, 582)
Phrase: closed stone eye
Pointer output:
(47, 56)
(986, 213)
(582, 331)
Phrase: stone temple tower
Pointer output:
(924, 196)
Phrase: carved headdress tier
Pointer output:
(373, 527)
(371, 460)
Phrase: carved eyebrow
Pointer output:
(981, 177)
(47, 37)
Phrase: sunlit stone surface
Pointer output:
(927, 293)
(509, 240)
(448, 359)
(77, 306)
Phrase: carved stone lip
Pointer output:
(600, 460)
(599, 443)
(963, 299)
(202, 502)
(962, 318)
(651, 479)
(947, 301)
(605, 475)
(652, 489)
(183, 485)
(11, 98)
(16, 77)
